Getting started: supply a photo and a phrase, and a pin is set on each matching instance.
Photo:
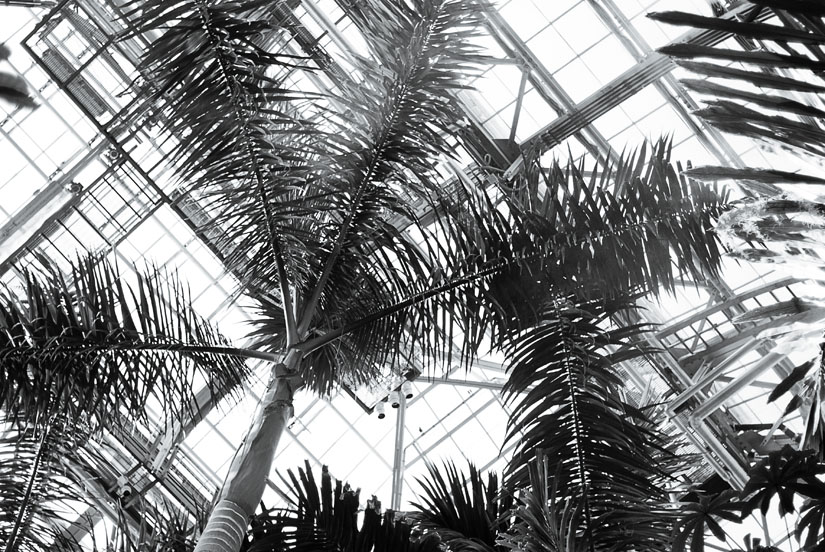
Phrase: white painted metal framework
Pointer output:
(88, 170)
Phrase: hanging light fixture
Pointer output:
(380, 409)
(407, 389)
(394, 399)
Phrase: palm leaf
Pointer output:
(760, 31)
(623, 239)
(90, 347)
(493, 252)
(160, 527)
(784, 474)
(37, 489)
(777, 103)
(325, 517)
(545, 521)
(465, 513)
(769, 176)
(757, 78)
(565, 398)
(812, 522)
(705, 515)
(760, 58)
(791, 123)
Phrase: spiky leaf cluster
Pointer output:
(89, 347)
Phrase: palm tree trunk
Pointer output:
(246, 481)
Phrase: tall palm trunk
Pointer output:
(244, 485)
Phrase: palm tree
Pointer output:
(78, 353)
(315, 194)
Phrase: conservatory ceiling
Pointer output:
(569, 77)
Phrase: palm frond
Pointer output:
(160, 527)
(218, 75)
(465, 513)
(768, 176)
(398, 125)
(602, 450)
(325, 517)
(636, 225)
(37, 490)
(784, 54)
(544, 520)
(492, 254)
(90, 347)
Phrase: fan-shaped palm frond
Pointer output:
(783, 474)
(705, 514)
(601, 449)
(90, 347)
(465, 513)
(325, 517)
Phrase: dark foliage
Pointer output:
(87, 346)
(325, 518)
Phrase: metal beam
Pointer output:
(398, 459)
(739, 383)
(670, 88)
(543, 81)
(579, 117)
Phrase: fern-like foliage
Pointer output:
(636, 225)
(89, 347)
(491, 253)
(38, 491)
(600, 450)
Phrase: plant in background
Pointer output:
(787, 475)
(601, 453)
(706, 514)
(77, 352)
(769, 90)
(325, 516)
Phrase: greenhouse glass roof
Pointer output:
(580, 78)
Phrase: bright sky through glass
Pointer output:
(578, 56)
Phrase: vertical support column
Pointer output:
(398, 460)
